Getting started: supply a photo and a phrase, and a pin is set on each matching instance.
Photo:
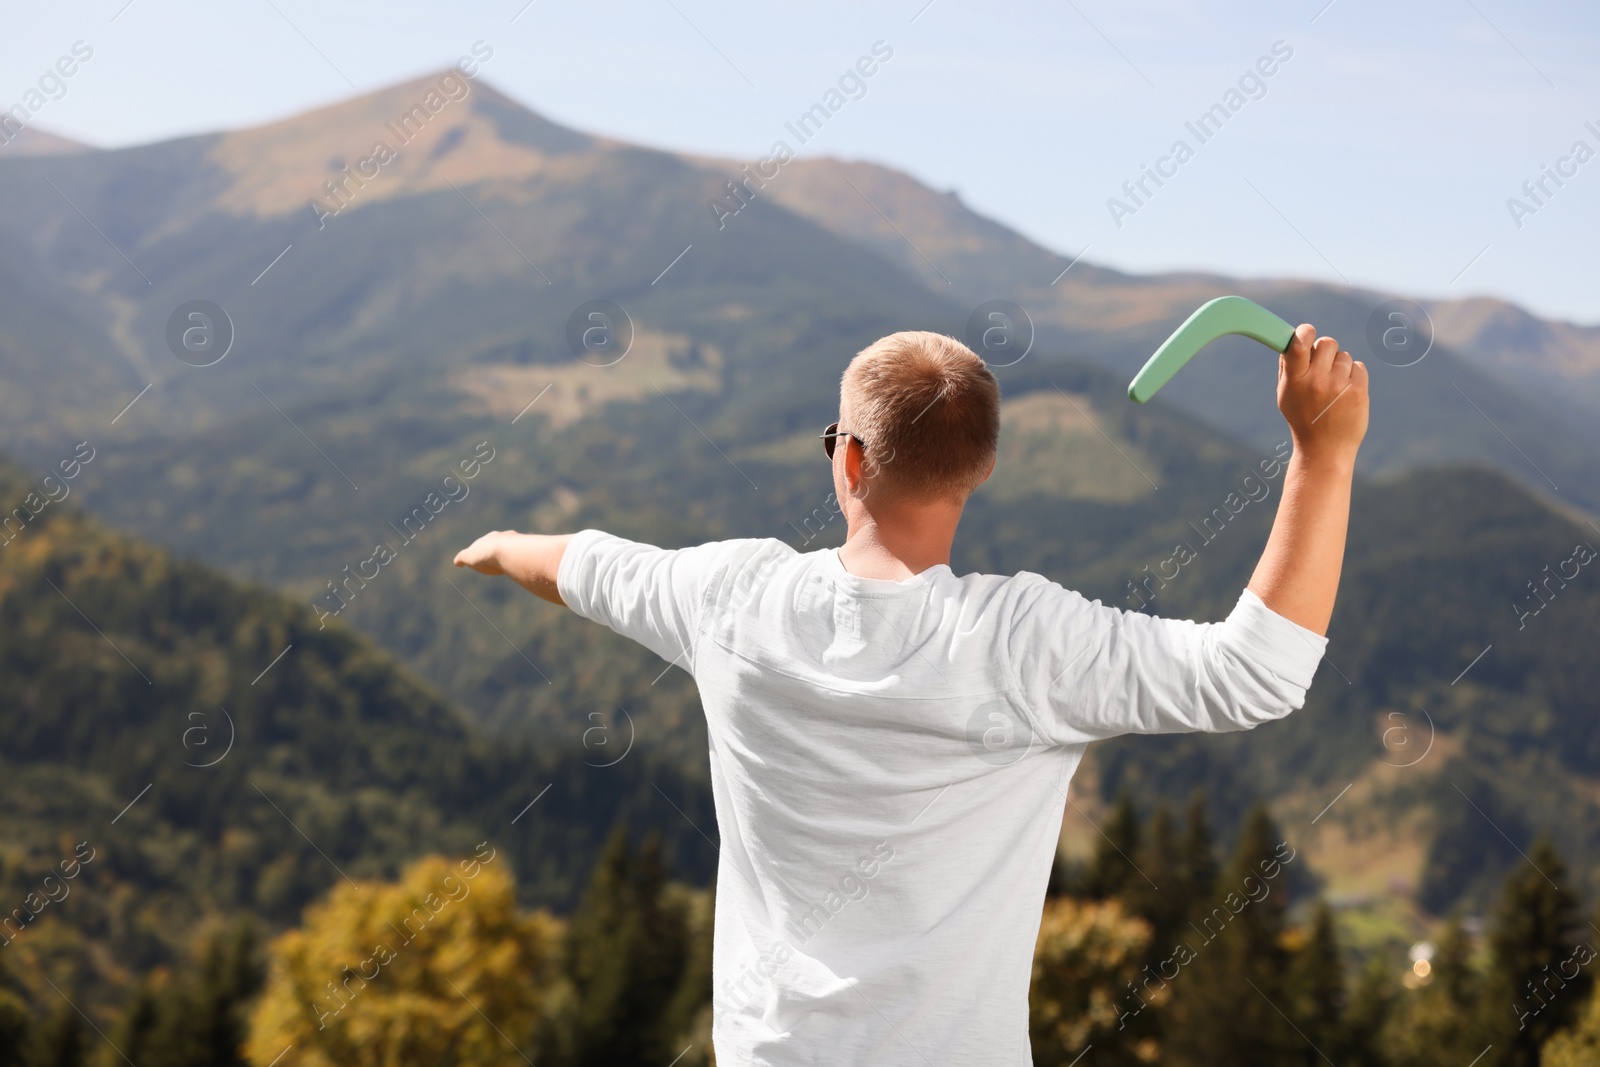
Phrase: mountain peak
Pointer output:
(32, 141)
(414, 136)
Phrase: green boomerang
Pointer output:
(1213, 319)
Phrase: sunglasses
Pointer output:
(832, 433)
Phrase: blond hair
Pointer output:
(928, 410)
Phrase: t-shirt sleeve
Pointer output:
(1090, 671)
(655, 596)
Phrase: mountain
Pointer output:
(401, 373)
(32, 141)
(1533, 383)
(1560, 360)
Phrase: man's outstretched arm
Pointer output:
(1322, 393)
(530, 560)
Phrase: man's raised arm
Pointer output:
(530, 560)
(1322, 393)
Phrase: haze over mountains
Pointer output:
(416, 321)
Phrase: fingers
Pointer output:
(1323, 354)
(1358, 375)
(475, 553)
(1342, 364)
(1297, 357)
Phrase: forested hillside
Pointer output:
(192, 750)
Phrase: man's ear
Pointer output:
(991, 468)
(854, 456)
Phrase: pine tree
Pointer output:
(1160, 896)
(60, 1041)
(1371, 1007)
(1111, 872)
(627, 947)
(1198, 856)
(1536, 985)
(1579, 1045)
(1317, 988)
(15, 1030)
(135, 1030)
(229, 976)
(198, 1019)
(1452, 974)
(1439, 1023)
(1229, 1004)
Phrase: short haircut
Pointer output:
(928, 410)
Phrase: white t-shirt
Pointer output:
(890, 764)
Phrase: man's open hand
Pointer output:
(1322, 393)
(482, 556)
(533, 561)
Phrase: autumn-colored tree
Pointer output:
(1087, 955)
(439, 968)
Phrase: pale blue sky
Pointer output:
(1382, 153)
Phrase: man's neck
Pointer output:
(901, 542)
